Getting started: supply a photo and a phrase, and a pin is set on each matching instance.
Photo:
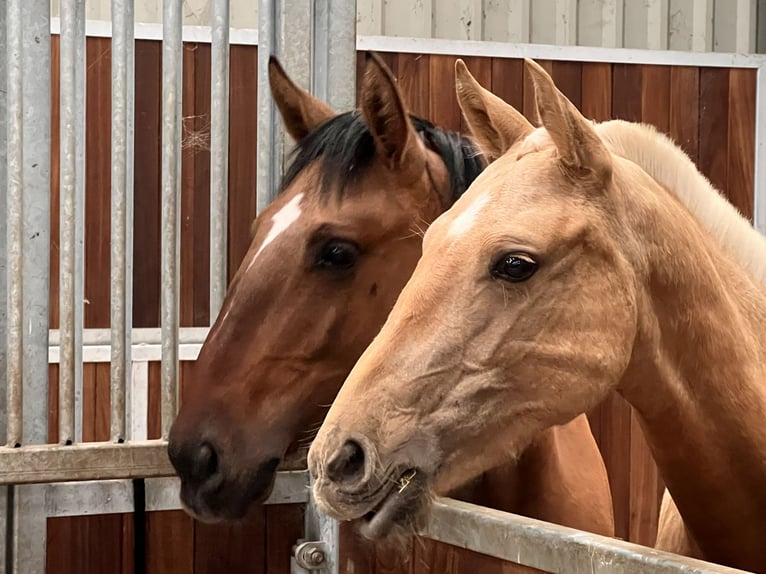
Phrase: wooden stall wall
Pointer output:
(709, 111)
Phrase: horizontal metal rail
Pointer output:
(84, 461)
(116, 496)
(549, 547)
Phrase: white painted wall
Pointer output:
(699, 25)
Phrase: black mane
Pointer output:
(346, 148)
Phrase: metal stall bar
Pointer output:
(15, 224)
(284, 30)
(79, 212)
(333, 76)
(219, 153)
(550, 547)
(28, 520)
(172, 47)
(121, 22)
(4, 490)
(67, 224)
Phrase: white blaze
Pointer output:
(281, 220)
(464, 222)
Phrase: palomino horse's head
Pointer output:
(520, 315)
(327, 261)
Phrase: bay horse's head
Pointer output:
(520, 315)
(326, 263)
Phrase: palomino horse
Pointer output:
(564, 272)
(327, 261)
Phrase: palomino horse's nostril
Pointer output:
(347, 464)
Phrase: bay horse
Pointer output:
(327, 261)
(563, 273)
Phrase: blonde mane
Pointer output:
(667, 163)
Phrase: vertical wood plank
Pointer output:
(684, 109)
(741, 150)
(627, 80)
(98, 181)
(597, 91)
(146, 188)
(508, 81)
(568, 79)
(284, 525)
(714, 125)
(655, 97)
(85, 544)
(55, 183)
(201, 242)
(413, 76)
(169, 542)
(242, 154)
(443, 107)
(238, 548)
(189, 145)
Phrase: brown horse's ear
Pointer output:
(396, 141)
(301, 112)
(581, 151)
(495, 124)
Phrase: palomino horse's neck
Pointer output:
(697, 377)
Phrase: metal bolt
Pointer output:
(315, 557)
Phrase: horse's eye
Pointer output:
(514, 267)
(337, 254)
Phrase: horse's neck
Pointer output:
(697, 380)
(667, 164)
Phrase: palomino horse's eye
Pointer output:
(514, 267)
(337, 254)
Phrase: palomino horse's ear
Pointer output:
(495, 124)
(581, 151)
(301, 112)
(396, 141)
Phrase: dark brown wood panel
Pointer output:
(98, 181)
(413, 82)
(146, 185)
(741, 149)
(90, 545)
(169, 543)
(655, 97)
(232, 549)
(508, 81)
(714, 120)
(443, 107)
(242, 151)
(597, 91)
(684, 109)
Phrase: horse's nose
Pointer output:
(347, 465)
(196, 461)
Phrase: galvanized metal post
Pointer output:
(172, 47)
(284, 30)
(219, 153)
(79, 212)
(290, 29)
(122, 23)
(67, 239)
(4, 490)
(333, 76)
(28, 534)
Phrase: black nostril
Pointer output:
(206, 463)
(197, 463)
(347, 464)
